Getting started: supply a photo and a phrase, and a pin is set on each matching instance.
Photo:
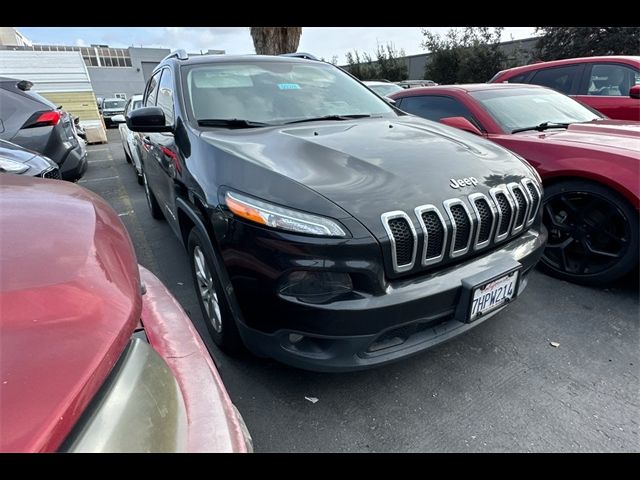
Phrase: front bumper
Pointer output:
(214, 424)
(411, 315)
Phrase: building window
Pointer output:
(120, 95)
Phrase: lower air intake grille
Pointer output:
(404, 240)
(55, 174)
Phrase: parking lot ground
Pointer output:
(499, 387)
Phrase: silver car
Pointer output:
(130, 140)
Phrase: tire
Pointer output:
(127, 157)
(211, 297)
(593, 233)
(152, 203)
(140, 178)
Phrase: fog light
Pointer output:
(295, 337)
(316, 287)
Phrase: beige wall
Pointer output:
(78, 104)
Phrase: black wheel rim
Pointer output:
(588, 234)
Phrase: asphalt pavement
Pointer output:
(499, 387)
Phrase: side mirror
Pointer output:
(118, 119)
(461, 123)
(147, 119)
(634, 92)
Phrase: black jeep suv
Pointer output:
(327, 229)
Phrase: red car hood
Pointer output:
(607, 135)
(69, 301)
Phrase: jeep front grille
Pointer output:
(461, 226)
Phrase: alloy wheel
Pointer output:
(207, 290)
(588, 234)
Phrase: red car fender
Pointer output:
(213, 423)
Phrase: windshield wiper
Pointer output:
(231, 123)
(542, 127)
(331, 117)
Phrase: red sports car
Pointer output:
(95, 353)
(609, 84)
(590, 167)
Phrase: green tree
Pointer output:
(569, 42)
(275, 40)
(472, 54)
(390, 63)
(362, 67)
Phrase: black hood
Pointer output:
(372, 166)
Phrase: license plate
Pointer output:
(493, 295)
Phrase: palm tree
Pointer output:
(276, 40)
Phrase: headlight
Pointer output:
(283, 218)
(11, 166)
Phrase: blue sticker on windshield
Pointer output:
(288, 86)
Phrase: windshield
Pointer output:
(276, 92)
(114, 104)
(516, 108)
(384, 90)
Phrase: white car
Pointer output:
(384, 89)
(129, 138)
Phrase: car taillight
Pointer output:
(43, 119)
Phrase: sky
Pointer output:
(319, 41)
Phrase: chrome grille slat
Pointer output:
(433, 227)
(504, 212)
(521, 204)
(456, 209)
(485, 221)
(389, 217)
(532, 189)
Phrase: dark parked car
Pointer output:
(33, 122)
(15, 159)
(110, 108)
(97, 355)
(590, 167)
(609, 84)
(325, 228)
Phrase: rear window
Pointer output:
(114, 104)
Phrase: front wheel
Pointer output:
(593, 233)
(213, 302)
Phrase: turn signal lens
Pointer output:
(282, 218)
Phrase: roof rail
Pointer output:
(307, 56)
(180, 54)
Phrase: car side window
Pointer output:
(165, 96)
(611, 80)
(559, 78)
(433, 107)
(152, 91)
(517, 78)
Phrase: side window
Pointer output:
(559, 78)
(434, 108)
(165, 96)
(152, 91)
(611, 80)
(518, 78)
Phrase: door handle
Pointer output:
(146, 140)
